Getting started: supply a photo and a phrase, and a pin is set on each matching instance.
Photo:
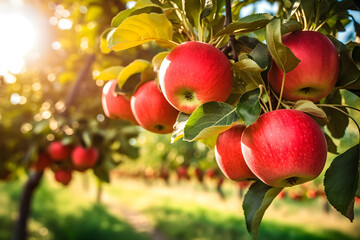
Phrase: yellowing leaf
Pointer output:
(142, 28)
(103, 41)
(109, 73)
(157, 60)
(137, 66)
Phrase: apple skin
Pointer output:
(284, 147)
(194, 73)
(229, 156)
(316, 74)
(84, 158)
(151, 110)
(58, 151)
(42, 162)
(63, 176)
(116, 106)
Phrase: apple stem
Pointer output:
(281, 91)
(292, 180)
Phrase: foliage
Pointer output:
(59, 102)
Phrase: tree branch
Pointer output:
(231, 44)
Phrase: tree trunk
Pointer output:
(20, 231)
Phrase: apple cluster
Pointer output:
(285, 147)
(193, 73)
(282, 148)
(63, 159)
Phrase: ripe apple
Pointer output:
(316, 74)
(229, 156)
(284, 147)
(151, 110)
(116, 106)
(63, 176)
(58, 151)
(194, 73)
(84, 158)
(42, 162)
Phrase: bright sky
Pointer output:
(18, 37)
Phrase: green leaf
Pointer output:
(249, 108)
(293, 9)
(109, 73)
(331, 147)
(139, 29)
(291, 26)
(349, 73)
(179, 126)
(310, 108)
(341, 182)
(248, 71)
(121, 16)
(209, 119)
(281, 54)
(337, 121)
(192, 10)
(256, 201)
(260, 55)
(87, 139)
(247, 24)
(208, 8)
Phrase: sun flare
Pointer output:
(18, 38)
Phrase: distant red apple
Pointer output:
(116, 106)
(311, 193)
(294, 195)
(316, 74)
(194, 73)
(58, 151)
(63, 176)
(211, 173)
(282, 194)
(43, 161)
(84, 158)
(284, 147)
(151, 110)
(229, 156)
(357, 201)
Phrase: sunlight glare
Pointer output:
(18, 37)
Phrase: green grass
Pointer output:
(58, 213)
(182, 218)
(202, 223)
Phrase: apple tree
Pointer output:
(285, 77)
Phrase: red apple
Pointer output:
(284, 147)
(63, 176)
(311, 193)
(195, 73)
(316, 75)
(58, 151)
(84, 158)
(229, 156)
(42, 162)
(116, 106)
(151, 110)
